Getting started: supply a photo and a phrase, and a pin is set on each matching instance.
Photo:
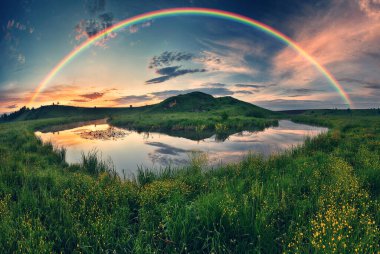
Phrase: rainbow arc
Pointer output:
(197, 12)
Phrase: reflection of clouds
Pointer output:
(72, 127)
(245, 140)
(165, 160)
(59, 139)
(166, 149)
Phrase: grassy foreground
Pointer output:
(322, 197)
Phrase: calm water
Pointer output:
(155, 150)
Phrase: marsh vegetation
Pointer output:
(321, 197)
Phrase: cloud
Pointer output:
(214, 91)
(243, 92)
(252, 88)
(65, 93)
(168, 70)
(147, 23)
(225, 61)
(370, 7)
(132, 99)
(12, 35)
(10, 98)
(300, 91)
(80, 100)
(172, 72)
(373, 55)
(92, 96)
(168, 57)
(91, 27)
(6, 97)
(101, 21)
(59, 89)
(135, 28)
(373, 86)
(221, 91)
(367, 84)
(21, 58)
(13, 106)
(13, 24)
(214, 85)
(249, 86)
(240, 46)
(281, 104)
(233, 56)
(339, 38)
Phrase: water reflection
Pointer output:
(160, 150)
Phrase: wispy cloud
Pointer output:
(370, 7)
(169, 57)
(296, 92)
(243, 92)
(13, 106)
(226, 62)
(217, 91)
(132, 99)
(90, 27)
(281, 104)
(249, 86)
(92, 96)
(231, 56)
(366, 83)
(80, 100)
(339, 38)
(214, 85)
(172, 72)
(10, 98)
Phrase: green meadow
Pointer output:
(322, 197)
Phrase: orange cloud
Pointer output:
(337, 38)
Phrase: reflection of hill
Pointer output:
(67, 126)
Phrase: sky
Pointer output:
(158, 58)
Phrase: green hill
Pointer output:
(202, 102)
(190, 102)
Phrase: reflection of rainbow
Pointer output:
(192, 11)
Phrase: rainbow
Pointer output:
(199, 12)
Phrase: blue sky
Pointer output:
(146, 63)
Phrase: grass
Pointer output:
(322, 197)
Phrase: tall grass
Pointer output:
(93, 163)
(61, 153)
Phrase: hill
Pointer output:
(202, 102)
(190, 102)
